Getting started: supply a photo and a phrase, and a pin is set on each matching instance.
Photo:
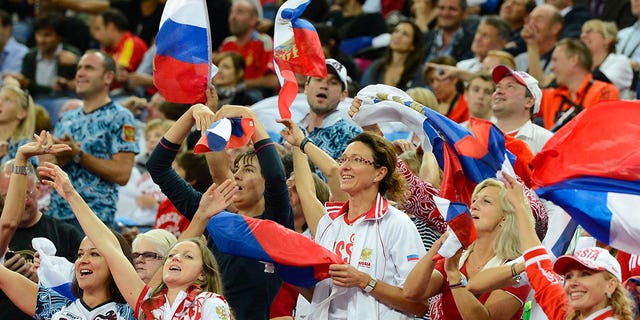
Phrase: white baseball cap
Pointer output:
(336, 67)
(593, 258)
(522, 78)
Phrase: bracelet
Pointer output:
(304, 143)
(461, 284)
(515, 275)
(23, 170)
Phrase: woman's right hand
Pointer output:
(58, 179)
(292, 134)
(355, 106)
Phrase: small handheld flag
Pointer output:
(228, 133)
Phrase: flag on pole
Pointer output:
(298, 260)
(297, 49)
(591, 168)
(182, 64)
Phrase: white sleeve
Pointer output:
(215, 309)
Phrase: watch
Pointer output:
(461, 284)
(78, 157)
(372, 284)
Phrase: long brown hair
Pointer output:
(114, 293)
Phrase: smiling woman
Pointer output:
(17, 120)
(378, 244)
(189, 271)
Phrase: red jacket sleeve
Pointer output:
(547, 285)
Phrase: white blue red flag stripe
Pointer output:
(182, 64)
(296, 49)
(298, 259)
(591, 168)
(466, 158)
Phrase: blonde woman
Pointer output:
(17, 120)
(496, 244)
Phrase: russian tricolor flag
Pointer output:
(467, 158)
(228, 133)
(296, 49)
(54, 272)
(591, 168)
(298, 260)
(462, 231)
(181, 66)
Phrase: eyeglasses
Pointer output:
(147, 255)
(356, 159)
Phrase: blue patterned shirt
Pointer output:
(333, 135)
(13, 150)
(54, 306)
(104, 132)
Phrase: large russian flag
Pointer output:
(591, 168)
(296, 49)
(466, 157)
(298, 259)
(181, 66)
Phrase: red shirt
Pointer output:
(168, 218)
(448, 304)
(128, 52)
(257, 53)
(460, 111)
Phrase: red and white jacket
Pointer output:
(383, 242)
(548, 287)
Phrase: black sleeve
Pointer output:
(183, 196)
(276, 195)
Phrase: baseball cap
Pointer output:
(522, 78)
(593, 258)
(339, 70)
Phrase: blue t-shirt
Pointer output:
(104, 132)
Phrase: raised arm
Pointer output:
(327, 165)
(312, 208)
(20, 290)
(15, 197)
(123, 272)
(181, 193)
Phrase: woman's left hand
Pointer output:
(202, 116)
(41, 144)
(58, 179)
(346, 275)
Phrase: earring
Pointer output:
(608, 295)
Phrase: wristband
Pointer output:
(304, 143)
(515, 275)
(23, 170)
